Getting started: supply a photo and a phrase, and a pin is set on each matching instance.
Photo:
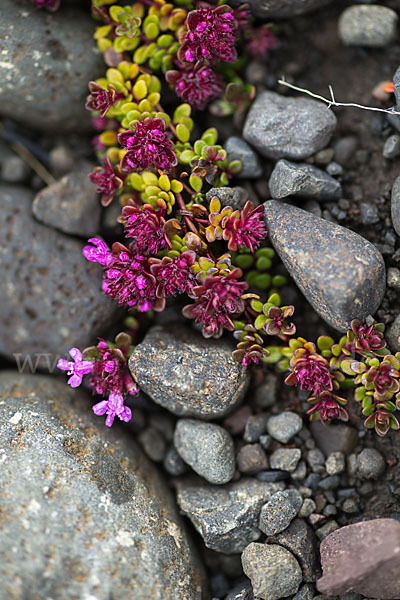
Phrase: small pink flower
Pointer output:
(196, 85)
(145, 226)
(76, 368)
(107, 181)
(99, 253)
(113, 407)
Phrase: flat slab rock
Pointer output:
(286, 127)
(84, 513)
(227, 516)
(364, 558)
(51, 296)
(187, 374)
(46, 63)
(340, 273)
(282, 9)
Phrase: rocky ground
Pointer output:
(219, 487)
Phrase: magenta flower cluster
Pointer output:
(50, 5)
(148, 146)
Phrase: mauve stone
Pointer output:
(283, 9)
(341, 274)
(47, 61)
(51, 295)
(187, 374)
(363, 557)
(337, 437)
(287, 127)
(84, 514)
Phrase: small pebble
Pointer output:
(277, 514)
(370, 464)
(14, 169)
(307, 508)
(153, 444)
(285, 459)
(326, 529)
(272, 476)
(251, 459)
(284, 426)
(370, 26)
(334, 169)
(173, 463)
(335, 463)
(236, 422)
(391, 148)
(330, 483)
(316, 459)
(300, 472)
(265, 395)
(350, 506)
(369, 213)
(393, 278)
(255, 427)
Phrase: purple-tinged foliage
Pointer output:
(310, 371)
(245, 228)
(148, 146)
(327, 407)
(145, 226)
(218, 300)
(102, 99)
(367, 339)
(107, 180)
(196, 85)
(174, 275)
(211, 34)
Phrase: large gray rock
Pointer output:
(226, 517)
(238, 149)
(373, 26)
(51, 299)
(363, 557)
(285, 127)
(207, 448)
(84, 513)
(341, 274)
(303, 180)
(274, 572)
(46, 63)
(395, 205)
(71, 204)
(188, 375)
(282, 9)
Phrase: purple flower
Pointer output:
(107, 181)
(100, 253)
(110, 371)
(260, 41)
(102, 99)
(211, 34)
(50, 5)
(148, 146)
(173, 275)
(113, 407)
(145, 226)
(217, 300)
(77, 368)
(197, 85)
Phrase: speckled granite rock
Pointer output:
(84, 513)
(363, 557)
(71, 204)
(395, 204)
(274, 572)
(187, 374)
(46, 63)
(286, 127)
(238, 149)
(51, 298)
(229, 196)
(283, 9)
(341, 274)
(302, 180)
(207, 448)
(226, 517)
(300, 539)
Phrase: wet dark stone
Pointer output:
(299, 538)
(81, 507)
(341, 274)
(187, 374)
(71, 204)
(51, 295)
(283, 9)
(46, 63)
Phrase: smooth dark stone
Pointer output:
(341, 274)
(303, 180)
(395, 205)
(238, 149)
